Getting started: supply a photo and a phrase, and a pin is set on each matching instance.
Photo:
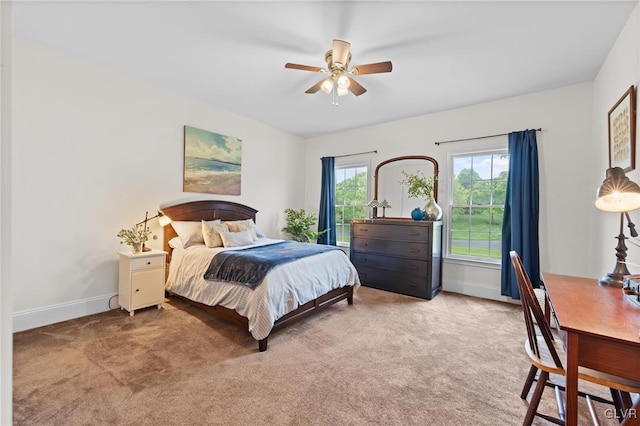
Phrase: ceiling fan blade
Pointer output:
(341, 52)
(355, 87)
(303, 67)
(372, 68)
(315, 87)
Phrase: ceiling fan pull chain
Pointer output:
(334, 94)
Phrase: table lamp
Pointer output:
(618, 194)
(373, 204)
(385, 205)
(163, 219)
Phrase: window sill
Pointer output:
(473, 262)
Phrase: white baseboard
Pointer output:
(33, 318)
(483, 291)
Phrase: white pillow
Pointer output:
(211, 233)
(245, 225)
(175, 243)
(236, 239)
(190, 232)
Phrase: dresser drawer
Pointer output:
(407, 266)
(415, 233)
(392, 248)
(410, 285)
(147, 262)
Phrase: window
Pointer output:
(478, 190)
(351, 199)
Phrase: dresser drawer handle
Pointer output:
(412, 284)
(413, 268)
(415, 234)
(415, 250)
(364, 229)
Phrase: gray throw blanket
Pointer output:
(249, 266)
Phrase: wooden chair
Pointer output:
(547, 356)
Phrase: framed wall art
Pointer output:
(622, 132)
(212, 162)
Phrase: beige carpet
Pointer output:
(388, 360)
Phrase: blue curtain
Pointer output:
(327, 215)
(521, 211)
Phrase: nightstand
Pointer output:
(141, 279)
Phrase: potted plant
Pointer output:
(420, 186)
(135, 237)
(299, 224)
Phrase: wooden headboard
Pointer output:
(196, 211)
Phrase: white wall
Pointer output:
(92, 151)
(6, 297)
(620, 70)
(565, 117)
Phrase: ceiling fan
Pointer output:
(339, 82)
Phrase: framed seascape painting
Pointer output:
(622, 132)
(212, 162)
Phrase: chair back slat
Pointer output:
(534, 316)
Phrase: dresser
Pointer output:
(403, 256)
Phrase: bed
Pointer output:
(288, 293)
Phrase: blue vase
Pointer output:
(417, 214)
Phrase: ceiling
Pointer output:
(445, 54)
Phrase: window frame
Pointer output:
(349, 163)
(497, 149)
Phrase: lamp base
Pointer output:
(613, 280)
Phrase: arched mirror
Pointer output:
(387, 185)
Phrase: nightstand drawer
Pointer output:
(145, 290)
(147, 262)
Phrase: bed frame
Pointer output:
(227, 210)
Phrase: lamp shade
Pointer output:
(163, 219)
(617, 193)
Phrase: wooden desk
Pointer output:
(603, 331)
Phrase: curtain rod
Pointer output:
(479, 137)
(357, 153)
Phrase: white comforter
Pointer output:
(284, 288)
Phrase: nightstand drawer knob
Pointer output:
(148, 263)
(137, 290)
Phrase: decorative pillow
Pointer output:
(246, 225)
(236, 239)
(211, 233)
(190, 232)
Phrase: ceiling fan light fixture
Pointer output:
(327, 85)
(342, 91)
(343, 82)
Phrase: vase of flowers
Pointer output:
(420, 186)
(134, 237)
